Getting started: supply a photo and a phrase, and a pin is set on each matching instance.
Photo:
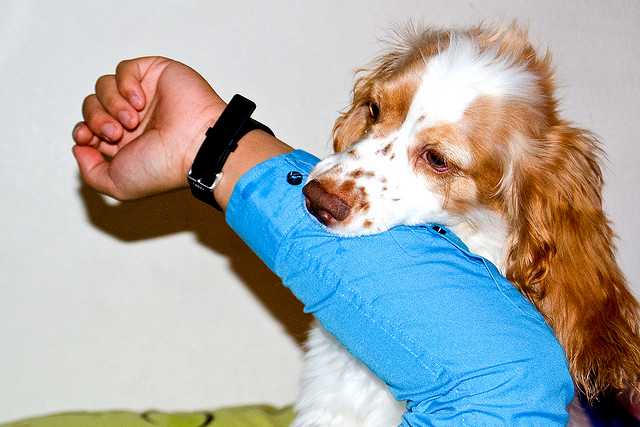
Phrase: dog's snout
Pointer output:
(325, 206)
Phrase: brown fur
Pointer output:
(561, 253)
(562, 258)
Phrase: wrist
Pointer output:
(255, 147)
(231, 159)
(203, 121)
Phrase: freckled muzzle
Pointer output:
(325, 206)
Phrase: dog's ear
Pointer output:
(350, 126)
(353, 123)
(407, 48)
(562, 257)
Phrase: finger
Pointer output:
(95, 142)
(113, 102)
(99, 121)
(94, 169)
(129, 74)
(81, 134)
(109, 150)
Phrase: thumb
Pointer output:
(130, 74)
(94, 170)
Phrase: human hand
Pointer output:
(143, 127)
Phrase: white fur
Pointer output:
(450, 83)
(408, 198)
(456, 77)
(485, 233)
(338, 390)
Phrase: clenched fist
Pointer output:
(143, 127)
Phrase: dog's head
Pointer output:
(433, 131)
(452, 126)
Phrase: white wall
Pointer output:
(156, 303)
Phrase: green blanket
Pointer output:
(243, 416)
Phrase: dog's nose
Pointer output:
(327, 207)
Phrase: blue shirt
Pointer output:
(438, 324)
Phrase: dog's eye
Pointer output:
(374, 111)
(436, 160)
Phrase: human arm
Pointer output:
(431, 320)
(143, 127)
(438, 324)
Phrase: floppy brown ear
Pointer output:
(350, 126)
(410, 45)
(353, 123)
(562, 257)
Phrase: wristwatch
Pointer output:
(221, 140)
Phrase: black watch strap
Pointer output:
(221, 140)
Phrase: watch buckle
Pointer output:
(203, 186)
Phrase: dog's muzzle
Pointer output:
(325, 206)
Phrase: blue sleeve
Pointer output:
(438, 324)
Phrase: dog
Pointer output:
(461, 128)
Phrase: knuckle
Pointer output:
(86, 103)
(126, 67)
(122, 66)
(103, 81)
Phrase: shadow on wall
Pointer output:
(178, 212)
